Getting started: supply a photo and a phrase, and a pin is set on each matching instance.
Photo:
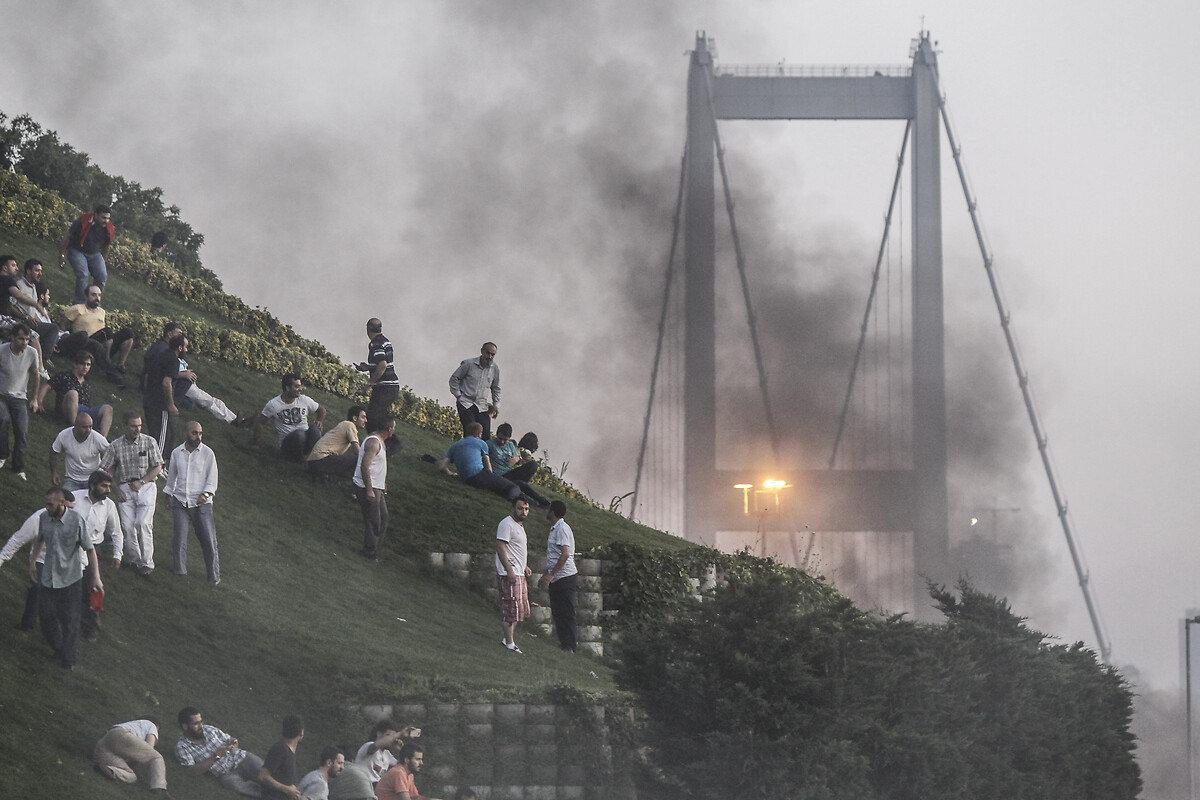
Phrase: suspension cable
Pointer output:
(741, 267)
(862, 335)
(662, 326)
(1010, 340)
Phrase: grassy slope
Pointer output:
(300, 621)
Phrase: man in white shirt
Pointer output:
(191, 485)
(560, 575)
(81, 448)
(100, 520)
(476, 389)
(129, 746)
(18, 365)
(315, 785)
(290, 413)
(512, 570)
(27, 533)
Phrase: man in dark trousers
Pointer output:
(560, 576)
(381, 366)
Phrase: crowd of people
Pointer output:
(104, 494)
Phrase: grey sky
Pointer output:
(501, 171)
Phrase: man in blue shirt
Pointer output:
(469, 455)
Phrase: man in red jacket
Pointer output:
(85, 244)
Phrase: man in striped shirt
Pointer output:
(381, 364)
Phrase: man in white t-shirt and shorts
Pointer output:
(297, 419)
(512, 570)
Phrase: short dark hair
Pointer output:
(19, 328)
(474, 428)
(102, 209)
(383, 423)
(383, 726)
(82, 356)
(171, 325)
(31, 263)
(354, 412)
(529, 442)
(504, 429)
(98, 477)
(286, 380)
(559, 508)
(489, 344)
(521, 498)
(329, 753)
(410, 749)
(132, 414)
(185, 714)
(5, 259)
(375, 325)
(291, 727)
(57, 490)
(176, 341)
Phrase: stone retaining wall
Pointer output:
(516, 751)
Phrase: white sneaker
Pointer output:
(22, 476)
(45, 375)
(2, 460)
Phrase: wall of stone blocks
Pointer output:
(515, 751)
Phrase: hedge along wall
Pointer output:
(261, 342)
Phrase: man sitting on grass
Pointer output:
(336, 453)
(205, 749)
(471, 460)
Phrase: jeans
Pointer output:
(199, 519)
(137, 521)
(297, 444)
(342, 466)
(381, 401)
(375, 519)
(243, 778)
(60, 610)
(562, 608)
(491, 482)
(85, 264)
(118, 752)
(469, 414)
(14, 414)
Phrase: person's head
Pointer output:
(290, 386)
(57, 501)
(503, 432)
(292, 727)
(94, 294)
(20, 337)
(82, 363)
(44, 294)
(520, 508)
(412, 755)
(558, 510)
(8, 265)
(191, 722)
(177, 343)
(33, 270)
(384, 728)
(357, 415)
(170, 329)
(195, 435)
(133, 424)
(332, 760)
(103, 214)
(475, 429)
(487, 353)
(83, 425)
(384, 427)
(158, 242)
(99, 485)
(374, 327)
(529, 442)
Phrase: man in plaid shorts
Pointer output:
(512, 570)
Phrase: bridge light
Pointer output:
(745, 488)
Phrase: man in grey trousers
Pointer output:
(191, 485)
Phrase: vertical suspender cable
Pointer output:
(662, 324)
(1010, 340)
(862, 335)
(741, 267)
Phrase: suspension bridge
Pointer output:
(873, 509)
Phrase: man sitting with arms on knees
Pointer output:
(470, 458)
(505, 456)
(289, 412)
(128, 746)
(336, 453)
(88, 323)
(81, 449)
(73, 395)
(206, 749)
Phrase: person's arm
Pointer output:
(151, 739)
(112, 530)
(24, 535)
(35, 553)
(371, 450)
(259, 421)
(156, 467)
(21, 299)
(56, 460)
(210, 481)
(204, 765)
(72, 233)
(563, 557)
(35, 404)
(502, 551)
(456, 378)
(169, 484)
(321, 412)
(377, 371)
(93, 569)
(168, 387)
(487, 463)
(267, 781)
(495, 407)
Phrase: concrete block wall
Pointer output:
(514, 750)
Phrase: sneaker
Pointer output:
(144, 571)
(510, 646)
(2, 460)
(22, 476)
(45, 375)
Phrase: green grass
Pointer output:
(300, 623)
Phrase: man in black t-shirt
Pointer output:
(162, 376)
(279, 775)
(380, 363)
